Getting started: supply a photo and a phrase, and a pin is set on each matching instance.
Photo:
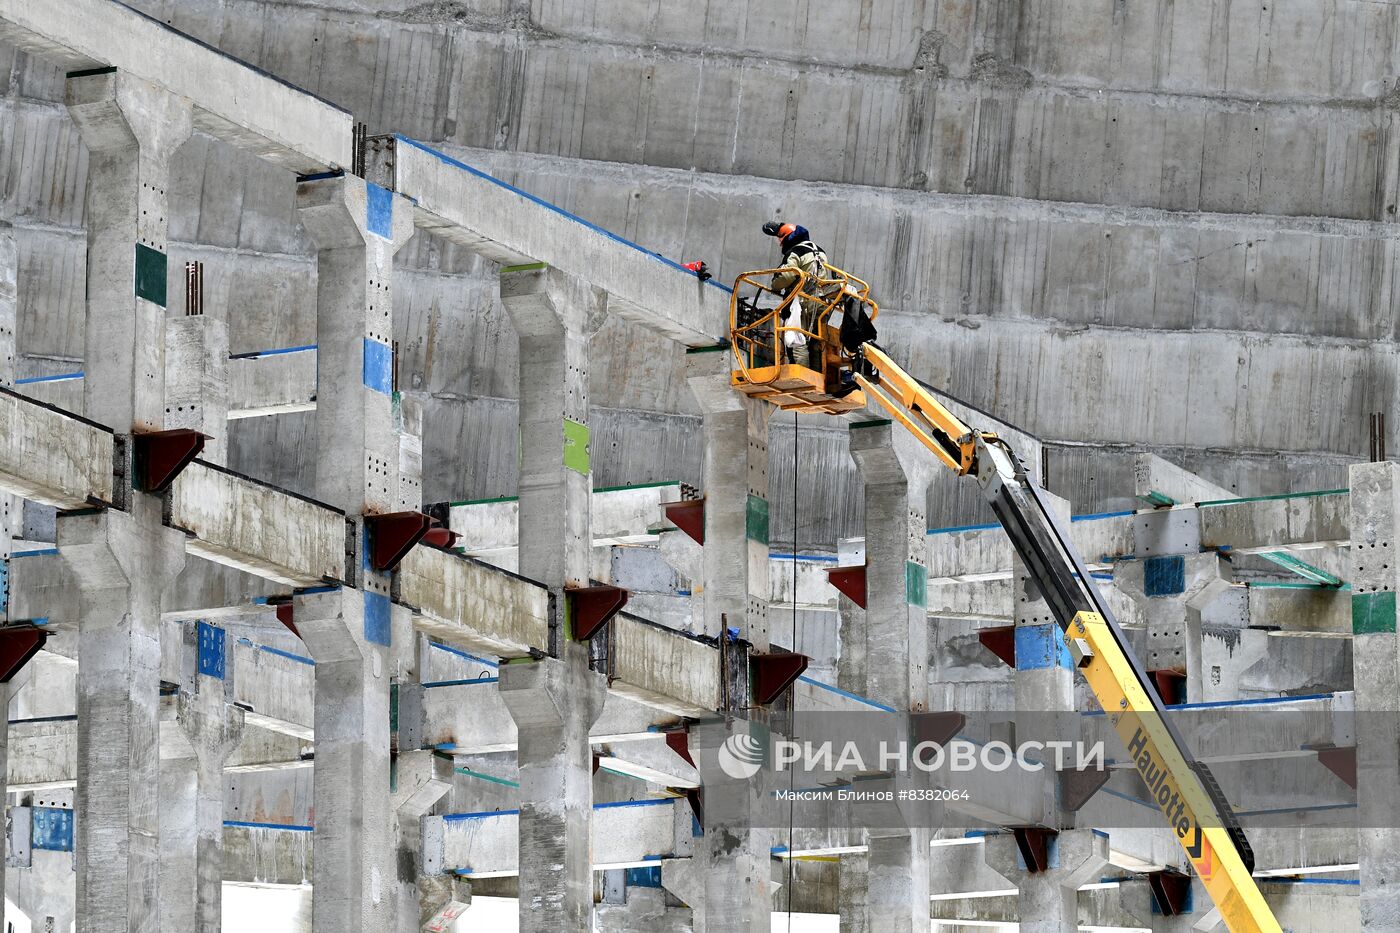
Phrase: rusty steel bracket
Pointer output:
(1033, 843)
(161, 455)
(1340, 761)
(689, 516)
(1079, 785)
(938, 728)
(774, 672)
(678, 741)
(1000, 640)
(284, 613)
(1171, 890)
(850, 581)
(1171, 686)
(590, 607)
(392, 535)
(18, 643)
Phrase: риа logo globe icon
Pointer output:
(741, 756)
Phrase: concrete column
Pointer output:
(734, 575)
(1044, 678)
(196, 380)
(420, 780)
(357, 228)
(853, 869)
(736, 858)
(554, 704)
(1375, 579)
(1048, 901)
(1170, 594)
(122, 563)
(852, 892)
(554, 701)
(897, 473)
(555, 317)
(354, 870)
(213, 728)
(132, 130)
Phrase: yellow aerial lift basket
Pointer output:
(786, 344)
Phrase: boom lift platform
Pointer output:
(772, 363)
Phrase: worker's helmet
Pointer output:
(786, 230)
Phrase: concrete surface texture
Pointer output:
(1147, 241)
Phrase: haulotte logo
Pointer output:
(742, 756)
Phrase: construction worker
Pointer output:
(799, 252)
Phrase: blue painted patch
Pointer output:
(648, 877)
(379, 367)
(5, 588)
(211, 650)
(1164, 576)
(53, 829)
(377, 619)
(379, 210)
(1041, 646)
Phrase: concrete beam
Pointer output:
(469, 717)
(625, 834)
(276, 382)
(626, 515)
(663, 668)
(467, 206)
(466, 603)
(257, 528)
(233, 101)
(51, 456)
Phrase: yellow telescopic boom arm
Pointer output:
(1183, 789)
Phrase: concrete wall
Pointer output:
(1163, 225)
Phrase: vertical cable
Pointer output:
(792, 646)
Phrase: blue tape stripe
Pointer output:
(954, 528)
(258, 354)
(287, 827)
(817, 558)
(300, 659)
(839, 692)
(59, 378)
(40, 552)
(462, 654)
(460, 683)
(447, 159)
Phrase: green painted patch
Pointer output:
(1372, 613)
(150, 274)
(1157, 499)
(915, 584)
(576, 446)
(1287, 495)
(874, 423)
(1302, 568)
(756, 519)
(711, 349)
(524, 267)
